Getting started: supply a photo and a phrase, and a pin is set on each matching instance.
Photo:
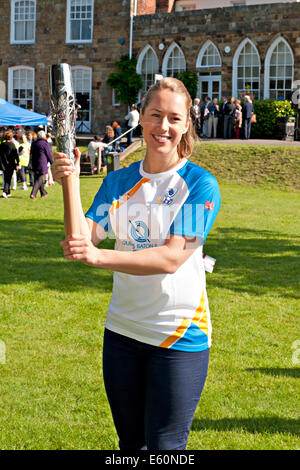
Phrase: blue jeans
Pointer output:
(153, 392)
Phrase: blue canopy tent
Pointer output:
(12, 115)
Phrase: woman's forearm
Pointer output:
(158, 260)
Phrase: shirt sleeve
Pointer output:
(198, 213)
(99, 210)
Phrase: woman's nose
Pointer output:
(164, 123)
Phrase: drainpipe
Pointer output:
(132, 15)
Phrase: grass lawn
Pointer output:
(53, 313)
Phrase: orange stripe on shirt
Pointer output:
(118, 203)
(177, 334)
(200, 320)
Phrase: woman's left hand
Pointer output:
(80, 248)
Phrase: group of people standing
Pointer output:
(231, 116)
(23, 156)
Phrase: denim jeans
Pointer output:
(153, 392)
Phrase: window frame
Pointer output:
(267, 65)
(68, 26)
(235, 68)
(140, 61)
(10, 90)
(90, 70)
(12, 23)
(202, 52)
(166, 58)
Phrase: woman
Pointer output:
(157, 336)
(24, 156)
(108, 137)
(94, 152)
(40, 155)
(9, 161)
(117, 133)
(237, 123)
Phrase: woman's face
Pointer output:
(164, 121)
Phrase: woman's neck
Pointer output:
(160, 164)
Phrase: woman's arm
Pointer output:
(164, 259)
(63, 166)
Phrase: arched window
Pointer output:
(279, 70)
(246, 70)
(208, 56)
(147, 66)
(23, 18)
(174, 61)
(21, 86)
(82, 82)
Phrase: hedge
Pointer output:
(267, 112)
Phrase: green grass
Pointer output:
(53, 312)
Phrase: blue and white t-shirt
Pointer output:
(142, 210)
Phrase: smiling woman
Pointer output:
(158, 330)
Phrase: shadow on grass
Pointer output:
(267, 424)
(256, 261)
(30, 252)
(277, 371)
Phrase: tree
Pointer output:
(190, 81)
(127, 82)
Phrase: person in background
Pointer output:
(238, 119)
(108, 137)
(117, 133)
(247, 113)
(48, 177)
(94, 152)
(207, 100)
(229, 110)
(133, 118)
(196, 116)
(41, 155)
(9, 161)
(31, 136)
(24, 156)
(213, 117)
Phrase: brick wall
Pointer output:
(225, 27)
(146, 7)
(111, 23)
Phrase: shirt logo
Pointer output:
(168, 197)
(209, 205)
(139, 231)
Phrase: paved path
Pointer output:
(295, 143)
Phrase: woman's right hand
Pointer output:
(63, 166)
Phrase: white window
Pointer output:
(246, 70)
(82, 82)
(147, 67)
(208, 56)
(115, 101)
(279, 70)
(174, 61)
(21, 86)
(80, 16)
(23, 16)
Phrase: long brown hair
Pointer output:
(186, 144)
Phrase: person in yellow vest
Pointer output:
(24, 155)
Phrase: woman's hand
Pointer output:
(63, 166)
(80, 248)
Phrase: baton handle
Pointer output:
(71, 206)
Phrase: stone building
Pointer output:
(249, 48)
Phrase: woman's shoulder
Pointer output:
(194, 174)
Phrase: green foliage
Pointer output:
(190, 80)
(267, 112)
(127, 82)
